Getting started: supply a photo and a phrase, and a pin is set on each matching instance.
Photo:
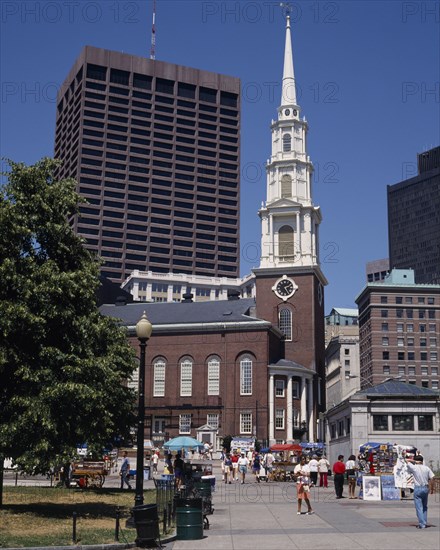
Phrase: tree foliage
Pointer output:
(63, 366)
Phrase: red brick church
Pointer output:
(249, 367)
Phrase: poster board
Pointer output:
(371, 488)
(389, 490)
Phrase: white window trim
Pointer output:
(214, 376)
(280, 417)
(281, 383)
(159, 368)
(185, 416)
(245, 363)
(242, 430)
(217, 420)
(186, 367)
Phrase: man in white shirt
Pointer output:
(313, 467)
(268, 461)
(423, 484)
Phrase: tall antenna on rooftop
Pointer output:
(153, 33)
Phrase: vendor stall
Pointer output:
(382, 471)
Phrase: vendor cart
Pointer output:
(89, 474)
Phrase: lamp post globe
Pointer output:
(143, 332)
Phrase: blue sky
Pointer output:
(368, 76)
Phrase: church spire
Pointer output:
(288, 95)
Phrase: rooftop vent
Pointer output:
(187, 298)
(233, 294)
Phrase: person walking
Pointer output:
(155, 461)
(256, 465)
(125, 471)
(323, 468)
(234, 459)
(423, 485)
(269, 459)
(301, 474)
(313, 467)
(339, 471)
(243, 464)
(350, 468)
(227, 468)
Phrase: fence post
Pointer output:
(74, 528)
(117, 525)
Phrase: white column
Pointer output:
(289, 416)
(271, 411)
(149, 291)
(303, 401)
(298, 235)
(310, 410)
(135, 291)
(271, 242)
(170, 292)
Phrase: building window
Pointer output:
(279, 419)
(433, 342)
(295, 388)
(341, 428)
(424, 370)
(432, 328)
(333, 431)
(286, 186)
(433, 356)
(434, 371)
(410, 342)
(186, 377)
(214, 376)
(434, 384)
(401, 370)
(287, 143)
(399, 299)
(399, 312)
(185, 423)
(245, 422)
(401, 356)
(384, 327)
(426, 423)
(400, 342)
(421, 314)
(285, 242)
(399, 327)
(409, 327)
(430, 300)
(431, 314)
(212, 420)
(385, 355)
(403, 422)
(384, 299)
(380, 422)
(422, 328)
(347, 363)
(411, 371)
(425, 384)
(408, 300)
(279, 388)
(384, 313)
(159, 378)
(286, 323)
(409, 313)
(385, 341)
(246, 376)
(386, 369)
(346, 351)
(422, 342)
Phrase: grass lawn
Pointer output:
(42, 516)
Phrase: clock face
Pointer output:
(285, 288)
(287, 112)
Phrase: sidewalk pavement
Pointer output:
(263, 516)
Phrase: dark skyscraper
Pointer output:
(414, 220)
(155, 150)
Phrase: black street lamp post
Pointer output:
(143, 332)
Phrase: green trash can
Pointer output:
(204, 488)
(189, 519)
(146, 521)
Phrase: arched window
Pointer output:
(287, 143)
(159, 367)
(186, 365)
(285, 323)
(286, 186)
(286, 243)
(214, 376)
(246, 375)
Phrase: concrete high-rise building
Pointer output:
(414, 220)
(155, 150)
(399, 331)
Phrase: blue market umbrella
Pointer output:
(182, 442)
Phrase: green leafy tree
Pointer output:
(63, 366)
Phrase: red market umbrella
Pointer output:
(286, 447)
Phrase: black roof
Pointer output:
(171, 313)
(396, 388)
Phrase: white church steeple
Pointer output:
(289, 220)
